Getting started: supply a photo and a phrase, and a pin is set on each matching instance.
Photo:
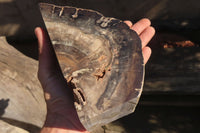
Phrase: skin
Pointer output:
(61, 113)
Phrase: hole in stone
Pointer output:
(81, 94)
(79, 97)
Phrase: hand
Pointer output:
(61, 113)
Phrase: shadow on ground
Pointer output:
(3, 105)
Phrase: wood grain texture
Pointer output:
(21, 95)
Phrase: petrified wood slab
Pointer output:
(100, 57)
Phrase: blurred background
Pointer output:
(170, 102)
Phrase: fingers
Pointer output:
(146, 54)
(147, 35)
(145, 31)
(141, 25)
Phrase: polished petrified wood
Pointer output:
(101, 59)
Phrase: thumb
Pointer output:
(49, 73)
(43, 40)
(48, 63)
(46, 52)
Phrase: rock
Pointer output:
(21, 96)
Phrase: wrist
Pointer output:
(59, 130)
(62, 123)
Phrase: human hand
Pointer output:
(61, 113)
